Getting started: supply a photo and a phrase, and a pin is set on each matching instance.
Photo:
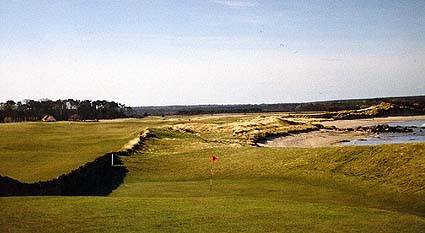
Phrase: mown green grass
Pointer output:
(330, 189)
(37, 151)
(196, 214)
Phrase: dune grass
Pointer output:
(329, 189)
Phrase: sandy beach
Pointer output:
(326, 137)
(314, 139)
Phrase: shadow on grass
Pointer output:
(97, 178)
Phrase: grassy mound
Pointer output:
(244, 132)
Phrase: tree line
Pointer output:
(70, 109)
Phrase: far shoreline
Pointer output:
(370, 121)
(326, 137)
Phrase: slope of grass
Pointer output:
(330, 189)
(37, 151)
(324, 173)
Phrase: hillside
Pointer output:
(414, 102)
(383, 109)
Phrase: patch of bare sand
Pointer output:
(314, 139)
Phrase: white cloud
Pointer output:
(236, 4)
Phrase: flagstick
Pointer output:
(211, 179)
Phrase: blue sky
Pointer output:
(211, 51)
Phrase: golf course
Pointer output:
(212, 116)
(167, 186)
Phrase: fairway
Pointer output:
(166, 189)
(35, 151)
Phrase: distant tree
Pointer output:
(85, 110)
(30, 110)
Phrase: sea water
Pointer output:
(418, 135)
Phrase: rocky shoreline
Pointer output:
(331, 135)
(383, 128)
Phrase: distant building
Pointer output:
(48, 118)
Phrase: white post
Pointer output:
(112, 159)
(211, 177)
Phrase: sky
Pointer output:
(153, 52)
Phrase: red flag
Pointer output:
(214, 158)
